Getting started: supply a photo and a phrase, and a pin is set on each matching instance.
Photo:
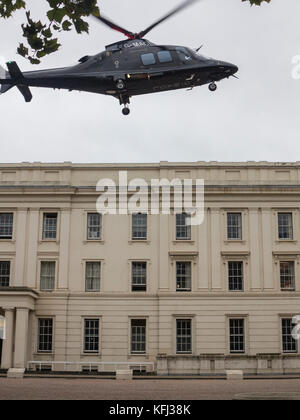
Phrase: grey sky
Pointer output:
(253, 118)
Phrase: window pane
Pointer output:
(139, 276)
(91, 335)
(289, 345)
(235, 275)
(138, 336)
(49, 226)
(285, 226)
(183, 228)
(47, 280)
(234, 226)
(6, 225)
(92, 276)
(139, 226)
(237, 339)
(183, 276)
(183, 336)
(164, 56)
(4, 273)
(94, 226)
(45, 334)
(287, 275)
(148, 59)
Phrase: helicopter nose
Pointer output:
(228, 68)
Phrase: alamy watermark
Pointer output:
(296, 67)
(154, 196)
(296, 329)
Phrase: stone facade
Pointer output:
(258, 192)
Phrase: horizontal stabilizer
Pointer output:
(5, 88)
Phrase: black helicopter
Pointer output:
(126, 68)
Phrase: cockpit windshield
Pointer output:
(201, 57)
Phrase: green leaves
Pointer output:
(63, 15)
(41, 37)
(7, 7)
(257, 2)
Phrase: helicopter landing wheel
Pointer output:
(212, 87)
(125, 111)
(120, 84)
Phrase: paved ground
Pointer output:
(107, 389)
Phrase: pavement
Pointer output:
(155, 389)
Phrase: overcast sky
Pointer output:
(253, 118)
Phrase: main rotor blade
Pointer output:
(182, 6)
(116, 27)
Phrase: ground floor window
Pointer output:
(91, 335)
(289, 344)
(138, 336)
(237, 335)
(183, 336)
(45, 335)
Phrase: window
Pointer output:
(234, 226)
(148, 59)
(183, 336)
(91, 335)
(235, 276)
(94, 226)
(47, 280)
(139, 276)
(139, 226)
(49, 225)
(4, 273)
(138, 336)
(289, 344)
(92, 276)
(183, 276)
(183, 228)
(6, 225)
(287, 275)
(285, 226)
(45, 335)
(164, 57)
(184, 55)
(237, 335)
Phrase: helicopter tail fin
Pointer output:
(16, 78)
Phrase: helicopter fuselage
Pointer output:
(142, 66)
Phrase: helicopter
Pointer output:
(126, 68)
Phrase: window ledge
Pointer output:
(289, 241)
(43, 353)
(55, 241)
(91, 241)
(89, 354)
(131, 355)
(234, 241)
(183, 241)
(137, 241)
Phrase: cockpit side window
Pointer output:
(164, 57)
(183, 54)
(148, 59)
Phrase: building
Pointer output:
(82, 287)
